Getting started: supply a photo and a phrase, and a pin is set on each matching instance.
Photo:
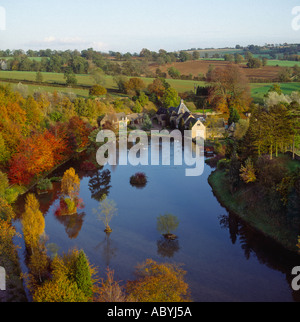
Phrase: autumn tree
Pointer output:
(97, 90)
(106, 211)
(33, 222)
(7, 233)
(158, 283)
(70, 187)
(157, 87)
(79, 131)
(110, 290)
(248, 172)
(229, 87)
(6, 210)
(166, 224)
(134, 86)
(72, 280)
(37, 154)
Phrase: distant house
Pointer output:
(3, 65)
(181, 116)
(195, 125)
(136, 119)
(161, 116)
(114, 119)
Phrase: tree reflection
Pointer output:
(266, 250)
(72, 223)
(167, 247)
(107, 248)
(99, 184)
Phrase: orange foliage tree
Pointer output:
(158, 283)
(36, 154)
(229, 87)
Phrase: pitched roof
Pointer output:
(186, 115)
(191, 120)
(161, 110)
(180, 109)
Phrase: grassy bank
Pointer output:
(255, 214)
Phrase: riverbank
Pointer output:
(241, 204)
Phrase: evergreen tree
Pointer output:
(83, 276)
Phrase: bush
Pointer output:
(45, 184)
(223, 164)
(139, 179)
(98, 90)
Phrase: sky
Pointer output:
(131, 25)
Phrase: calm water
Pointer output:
(225, 259)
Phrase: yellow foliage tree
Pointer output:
(70, 184)
(248, 172)
(70, 187)
(64, 285)
(33, 222)
(158, 283)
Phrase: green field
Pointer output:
(32, 58)
(259, 90)
(87, 80)
(283, 63)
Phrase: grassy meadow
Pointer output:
(258, 90)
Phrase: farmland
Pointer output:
(197, 67)
(259, 90)
(83, 80)
(56, 82)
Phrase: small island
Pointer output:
(139, 180)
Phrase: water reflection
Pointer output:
(108, 249)
(167, 247)
(202, 243)
(265, 249)
(99, 184)
(72, 223)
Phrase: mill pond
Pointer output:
(225, 259)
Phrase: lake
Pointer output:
(225, 259)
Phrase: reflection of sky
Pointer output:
(216, 268)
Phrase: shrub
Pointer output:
(44, 184)
(98, 90)
(139, 179)
(223, 164)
